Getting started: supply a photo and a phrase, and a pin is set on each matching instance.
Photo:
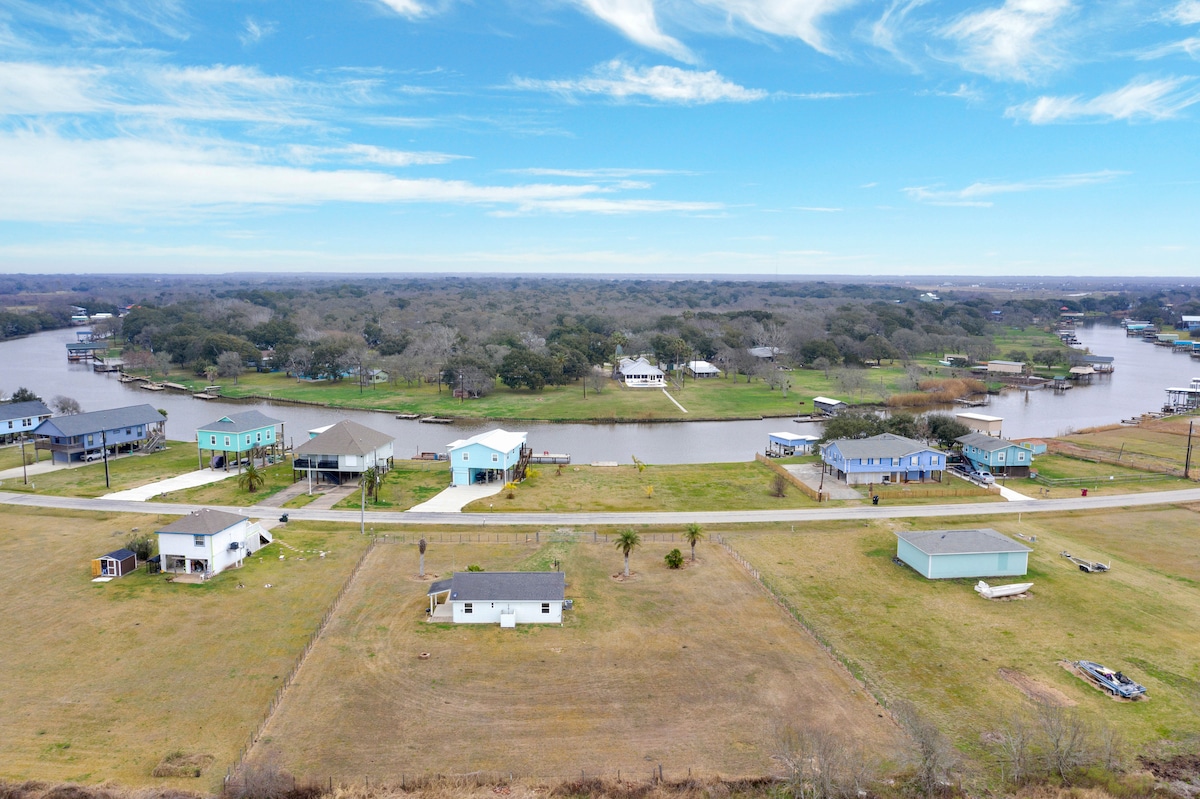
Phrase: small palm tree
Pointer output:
(252, 478)
(371, 479)
(692, 534)
(627, 541)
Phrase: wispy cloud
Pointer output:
(1186, 12)
(661, 83)
(603, 173)
(367, 154)
(412, 9)
(1189, 46)
(254, 31)
(978, 194)
(797, 19)
(637, 20)
(1141, 98)
(1015, 41)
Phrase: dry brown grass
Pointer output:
(938, 392)
(691, 669)
(99, 681)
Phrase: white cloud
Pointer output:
(1186, 12)
(1189, 46)
(52, 178)
(1141, 98)
(977, 194)
(664, 84)
(637, 20)
(368, 154)
(1014, 41)
(797, 19)
(36, 89)
(603, 173)
(255, 31)
(407, 8)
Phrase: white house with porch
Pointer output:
(342, 452)
(206, 542)
(504, 598)
(640, 373)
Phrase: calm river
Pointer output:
(1142, 372)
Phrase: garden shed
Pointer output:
(117, 563)
(980, 552)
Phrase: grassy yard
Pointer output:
(408, 483)
(125, 471)
(102, 680)
(937, 644)
(1157, 444)
(711, 486)
(689, 669)
(228, 492)
(10, 456)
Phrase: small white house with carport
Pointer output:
(980, 552)
(495, 455)
(699, 369)
(206, 542)
(504, 598)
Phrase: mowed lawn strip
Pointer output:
(939, 645)
(686, 487)
(124, 471)
(100, 680)
(406, 484)
(693, 668)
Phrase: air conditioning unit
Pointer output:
(235, 545)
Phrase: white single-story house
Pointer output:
(1006, 367)
(981, 422)
(828, 406)
(701, 369)
(117, 563)
(206, 542)
(487, 457)
(785, 445)
(504, 598)
(342, 451)
(639, 373)
(982, 552)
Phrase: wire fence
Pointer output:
(277, 697)
(539, 537)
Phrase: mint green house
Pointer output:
(232, 437)
(943, 554)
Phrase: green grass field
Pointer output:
(937, 644)
(408, 483)
(228, 492)
(125, 471)
(101, 680)
(694, 668)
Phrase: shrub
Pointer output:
(141, 545)
(474, 567)
(674, 559)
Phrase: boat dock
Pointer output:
(550, 457)
(435, 420)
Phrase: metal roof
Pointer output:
(205, 521)
(242, 422)
(985, 442)
(982, 540)
(827, 401)
(347, 437)
(499, 440)
(508, 587)
(111, 419)
(885, 445)
(979, 417)
(792, 437)
(23, 410)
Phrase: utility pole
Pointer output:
(1187, 462)
(104, 445)
(24, 471)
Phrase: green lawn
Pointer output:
(408, 483)
(125, 471)
(10, 456)
(228, 492)
(937, 644)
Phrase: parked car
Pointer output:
(985, 477)
(95, 455)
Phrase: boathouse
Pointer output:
(78, 351)
(17, 418)
(785, 445)
(1006, 367)
(504, 598)
(882, 459)
(827, 406)
(76, 437)
(231, 437)
(981, 422)
(943, 554)
(488, 457)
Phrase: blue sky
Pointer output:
(733, 137)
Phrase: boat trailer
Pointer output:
(1088, 566)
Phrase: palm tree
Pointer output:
(627, 541)
(371, 479)
(692, 534)
(252, 478)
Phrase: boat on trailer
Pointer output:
(1114, 682)
(997, 591)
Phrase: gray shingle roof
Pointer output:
(347, 437)
(83, 423)
(205, 521)
(960, 542)
(242, 422)
(120, 554)
(985, 442)
(886, 445)
(438, 586)
(23, 410)
(508, 587)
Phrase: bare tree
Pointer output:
(65, 406)
(229, 364)
(1066, 747)
(935, 757)
(300, 361)
(162, 363)
(850, 380)
(820, 765)
(1014, 747)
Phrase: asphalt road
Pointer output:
(640, 518)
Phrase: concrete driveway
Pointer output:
(189, 480)
(810, 475)
(455, 498)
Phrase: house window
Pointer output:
(247, 438)
(999, 457)
(213, 440)
(26, 422)
(128, 431)
(10, 425)
(259, 437)
(467, 608)
(495, 458)
(227, 441)
(466, 456)
(198, 540)
(545, 607)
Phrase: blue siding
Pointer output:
(991, 564)
(236, 442)
(464, 461)
(912, 556)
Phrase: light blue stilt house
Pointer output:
(494, 455)
(981, 552)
